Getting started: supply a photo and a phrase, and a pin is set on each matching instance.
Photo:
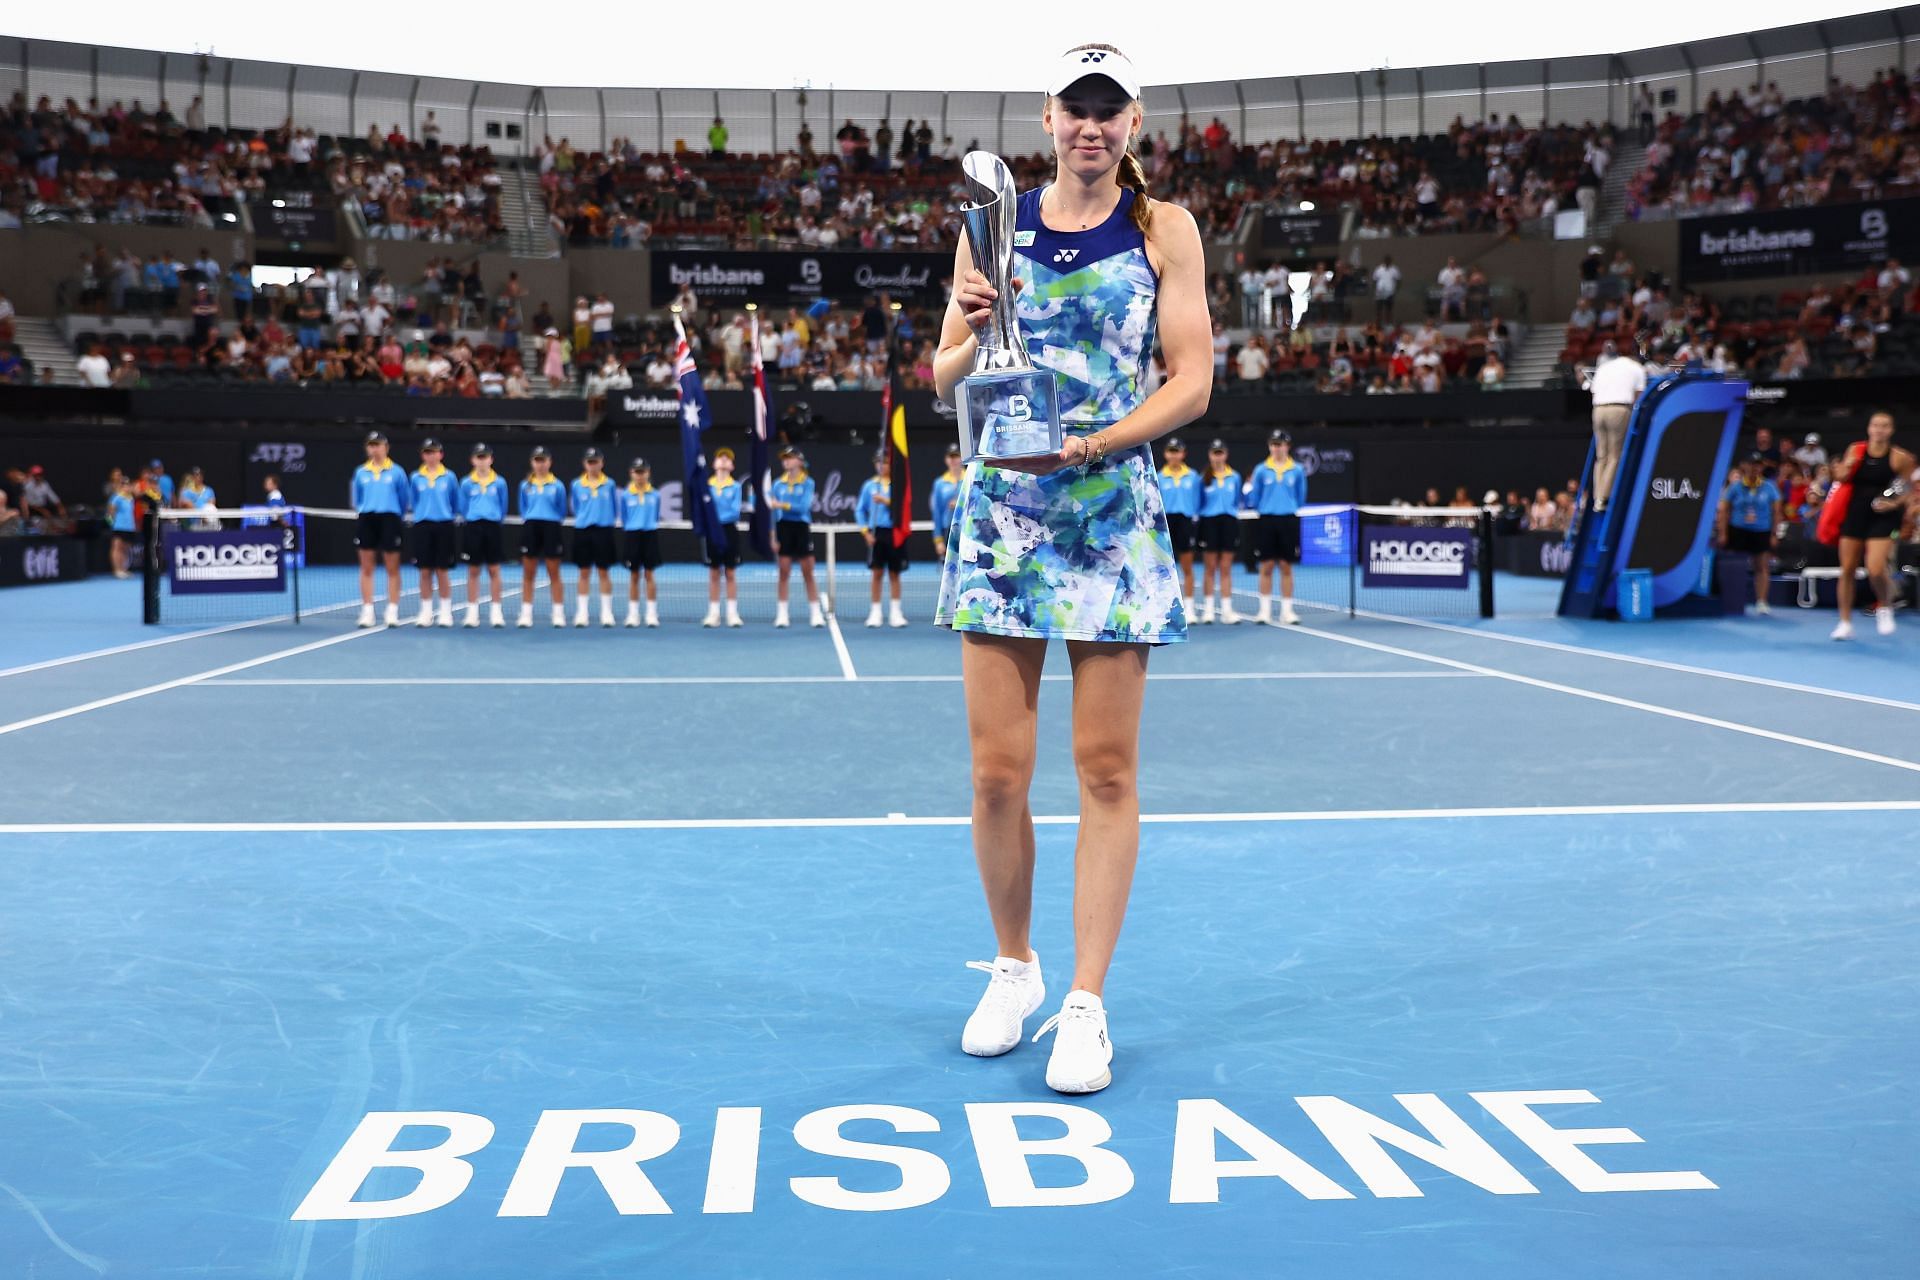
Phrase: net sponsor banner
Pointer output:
(1784, 242)
(1326, 535)
(1403, 556)
(207, 562)
(1533, 554)
(731, 278)
(26, 562)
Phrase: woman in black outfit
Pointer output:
(1872, 521)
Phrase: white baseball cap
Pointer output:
(1077, 64)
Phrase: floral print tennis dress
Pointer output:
(1082, 554)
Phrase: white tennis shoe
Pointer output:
(1883, 621)
(1082, 1058)
(366, 615)
(1843, 631)
(1013, 992)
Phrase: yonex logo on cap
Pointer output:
(1093, 55)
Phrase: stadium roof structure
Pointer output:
(244, 93)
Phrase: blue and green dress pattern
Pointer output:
(1082, 554)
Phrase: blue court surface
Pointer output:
(1497, 949)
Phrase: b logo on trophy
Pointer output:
(1007, 408)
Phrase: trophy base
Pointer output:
(1006, 415)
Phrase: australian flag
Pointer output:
(695, 418)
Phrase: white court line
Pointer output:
(129, 648)
(1835, 748)
(1637, 660)
(840, 649)
(901, 820)
(182, 681)
(270, 682)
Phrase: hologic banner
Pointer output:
(1407, 556)
(796, 279)
(227, 560)
(1791, 242)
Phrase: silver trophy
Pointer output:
(1007, 407)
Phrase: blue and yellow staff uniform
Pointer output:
(1751, 506)
(792, 502)
(1276, 493)
(1180, 495)
(436, 501)
(639, 508)
(640, 524)
(1278, 488)
(381, 488)
(196, 496)
(729, 498)
(874, 513)
(120, 514)
(946, 492)
(596, 512)
(276, 506)
(483, 499)
(543, 506)
(382, 494)
(1220, 502)
(483, 505)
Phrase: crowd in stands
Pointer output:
(1860, 328)
(338, 325)
(123, 163)
(1760, 151)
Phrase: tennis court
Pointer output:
(1418, 902)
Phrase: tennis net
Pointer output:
(211, 567)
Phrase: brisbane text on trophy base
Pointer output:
(1007, 408)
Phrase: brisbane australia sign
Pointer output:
(881, 1168)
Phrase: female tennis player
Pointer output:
(1878, 474)
(1074, 545)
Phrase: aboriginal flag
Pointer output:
(894, 427)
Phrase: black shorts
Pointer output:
(1181, 530)
(378, 531)
(640, 549)
(481, 542)
(884, 555)
(593, 547)
(1219, 533)
(541, 540)
(1867, 524)
(730, 558)
(124, 535)
(433, 544)
(1748, 542)
(1277, 538)
(793, 538)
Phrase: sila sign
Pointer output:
(1004, 1153)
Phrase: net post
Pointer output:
(833, 572)
(1353, 561)
(296, 547)
(149, 568)
(1483, 548)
